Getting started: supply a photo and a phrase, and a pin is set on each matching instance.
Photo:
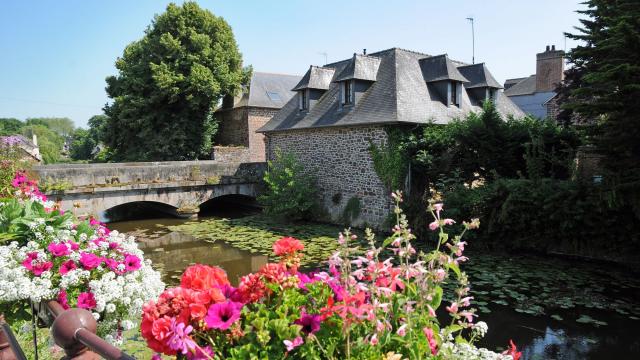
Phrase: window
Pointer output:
(303, 100)
(274, 96)
(492, 94)
(454, 93)
(347, 93)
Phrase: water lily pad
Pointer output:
(557, 317)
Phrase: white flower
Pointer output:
(110, 308)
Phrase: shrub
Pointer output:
(290, 192)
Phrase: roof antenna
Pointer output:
(324, 53)
(473, 41)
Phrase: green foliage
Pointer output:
(61, 126)
(547, 215)
(82, 145)
(351, 211)
(290, 192)
(389, 160)
(11, 163)
(603, 84)
(484, 146)
(16, 215)
(49, 142)
(10, 126)
(168, 84)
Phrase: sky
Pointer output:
(55, 55)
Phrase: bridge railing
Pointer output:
(74, 330)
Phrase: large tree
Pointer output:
(10, 126)
(62, 126)
(168, 84)
(604, 85)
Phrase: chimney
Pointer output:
(34, 138)
(549, 69)
(364, 51)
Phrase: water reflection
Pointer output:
(173, 252)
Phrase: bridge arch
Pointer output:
(135, 210)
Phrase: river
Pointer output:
(551, 308)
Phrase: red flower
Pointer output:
(251, 288)
(513, 351)
(287, 246)
(203, 278)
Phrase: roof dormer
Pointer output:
(482, 85)
(312, 85)
(443, 78)
(356, 77)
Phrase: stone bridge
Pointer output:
(181, 186)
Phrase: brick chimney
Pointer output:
(549, 69)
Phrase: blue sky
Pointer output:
(55, 55)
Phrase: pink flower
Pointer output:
(432, 312)
(59, 249)
(434, 225)
(374, 340)
(402, 330)
(180, 339)
(41, 267)
(131, 262)
(466, 301)
(440, 274)
(453, 308)
(468, 315)
(222, 315)
(448, 221)
(67, 266)
(114, 266)
(62, 299)
(310, 323)
(293, 344)
(90, 261)
(74, 245)
(86, 300)
(156, 356)
(433, 344)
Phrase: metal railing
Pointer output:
(74, 330)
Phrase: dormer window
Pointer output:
(304, 103)
(455, 91)
(347, 92)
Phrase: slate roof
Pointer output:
(316, 78)
(478, 76)
(399, 95)
(510, 82)
(361, 67)
(268, 90)
(526, 86)
(440, 67)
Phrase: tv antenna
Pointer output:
(324, 53)
(473, 41)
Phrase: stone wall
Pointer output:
(340, 159)
(231, 154)
(238, 128)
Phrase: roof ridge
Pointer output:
(273, 73)
(480, 63)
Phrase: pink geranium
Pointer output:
(86, 300)
(180, 341)
(286, 246)
(292, 344)
(90, 261)
(222, 315)
(62, 299)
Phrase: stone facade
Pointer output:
(339, 157)
(549, 69)
(238, 128)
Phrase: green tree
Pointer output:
(49, 142)
(97, 127)
(168, 84)
(290, 192)
(62, 126)
(10, 126)
(604, 85)
(82, 145)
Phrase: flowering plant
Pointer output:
(80, 263)
(362, 307)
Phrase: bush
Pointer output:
(290, 192)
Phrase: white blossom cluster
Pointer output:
(453, 351)
(119, 295)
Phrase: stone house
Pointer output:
(240, 116)
(340, 109)
(535, 94)
(28, 148)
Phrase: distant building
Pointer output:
(239, 117)
(30, 148)
(535, 94)
(341, 109)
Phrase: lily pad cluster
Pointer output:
(256, 234)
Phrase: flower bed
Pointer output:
(48, 254)
(364, 306)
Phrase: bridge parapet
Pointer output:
(75, 176)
